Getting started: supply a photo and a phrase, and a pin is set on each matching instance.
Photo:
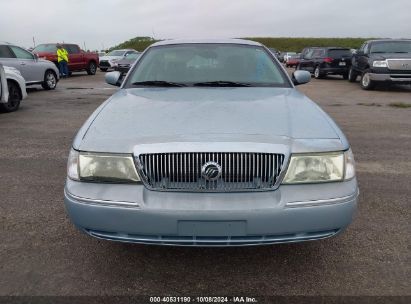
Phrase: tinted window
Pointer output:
(72, 49)
(318, 53)
(49, 48)
(133, 55)
(116, 53)
(391, 47)
(193, 63)
(337, 53)
(5, 52)
(20, 53)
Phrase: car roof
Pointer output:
(125, 50)
(206, 41)
(386, 40)
(333, 48)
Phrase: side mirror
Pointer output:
(360, 53)
(114, 78)
(36, 57)
(301, 77)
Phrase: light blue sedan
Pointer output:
(208, 143)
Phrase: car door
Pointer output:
(75, 57)
(306, 61)
(29, 66)
(362, 58)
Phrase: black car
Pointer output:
(382, 61)
(323, 61)
(125, 64)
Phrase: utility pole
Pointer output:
(34, 42)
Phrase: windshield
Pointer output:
(202, 64)
(391, 47)
(50, 48)
(116, 53)
(133, 56)
(337, 53)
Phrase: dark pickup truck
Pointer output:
(382, 61)
(323, 61)
(79, 60)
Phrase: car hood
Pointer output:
(377, 56)
(163, 115)
(108, 58)
(127, 61)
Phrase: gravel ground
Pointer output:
(41, 253)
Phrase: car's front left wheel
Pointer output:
(15, 97)
(366, 82)
(50, 80)
(91, 68)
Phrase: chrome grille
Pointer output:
(399, 64)
(183, 171)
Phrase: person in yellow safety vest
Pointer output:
(62, 58)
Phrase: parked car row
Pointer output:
(385, 61)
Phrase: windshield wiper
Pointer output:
(221, 83)
(158, 83)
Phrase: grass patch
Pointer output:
(280, 43)
(402, 105)
(369, 104)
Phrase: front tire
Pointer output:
(366, 82)
(92, 68)
(50, 80)
(14, 100)
(352, 75)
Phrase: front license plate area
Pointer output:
(212, 228)
(342, 63)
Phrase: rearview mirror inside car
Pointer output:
(301, 77)
(114, 78)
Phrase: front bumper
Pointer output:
(104, 64)
(131, 213)
(390, 77)
(122, 68)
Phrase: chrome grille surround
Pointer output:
(399, 64)
(182, 171)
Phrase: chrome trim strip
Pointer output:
(106, 203)
(323, 202)
(183, 181)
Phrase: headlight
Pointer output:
(102, 167)
(380, 64)
(320, 168)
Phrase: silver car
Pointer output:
(34, 70)
(208, 143)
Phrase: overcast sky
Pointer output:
(105, 23)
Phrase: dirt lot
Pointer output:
(41, 253)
